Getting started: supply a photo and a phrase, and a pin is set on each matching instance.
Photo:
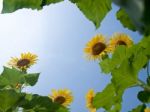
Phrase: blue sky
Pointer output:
(58, 34)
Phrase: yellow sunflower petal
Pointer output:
(147, 110)
(62, 96)
(96, 48)
(89, 99)
(24, 62)
(119, 39)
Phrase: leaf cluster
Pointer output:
(12, 99)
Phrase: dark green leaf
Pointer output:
(123, 17)
(139, 12)
(94, 10)
(144, 96)
(31, 79)
(148, 80)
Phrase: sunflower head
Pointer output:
(120, 39)
(63, 97)
(96, 48)
(25, 61)
(89, 99)
(147, 110)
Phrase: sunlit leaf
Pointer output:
(94, 10)
(108, 99)
(11, 77)
(8, 99)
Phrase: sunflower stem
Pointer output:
(143, 85)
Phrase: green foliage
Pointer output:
(31, 79)
(13, 5)
(125, 20)
(139, 108)
(37, 103)
(144, 96)
(12, 77)
(8, 100)
(11, 97)
(94, 10)
(138, 12)
(108, 99)
(124, 66)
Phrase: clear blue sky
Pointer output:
(58, 34)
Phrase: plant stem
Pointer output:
(143, 85)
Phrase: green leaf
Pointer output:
(11, 77)
(47, 2)
(124, 77)
(108, 99)
(144, 96)
(8, 99)
(13, 5)
(31, 79)
(10, 6)
(118, 56)
(94, 10)
(124, 18)
(37, 103)
(139, 108)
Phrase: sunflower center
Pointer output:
(121, 43)
(60, 99)
(23, 62)
(98, 48)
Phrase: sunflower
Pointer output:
(24, 62)
(62, 96)
(120, 39)
(89, 99)
(96, 48)
(147, 110)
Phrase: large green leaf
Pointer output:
(108, 99)
(94, 10)
(8, 99)
(125, 20)
(13, 5)
(11, 77)
(124, 77)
